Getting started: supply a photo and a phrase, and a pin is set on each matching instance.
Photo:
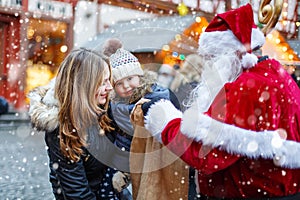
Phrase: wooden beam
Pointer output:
(151, 6)
(154, 6)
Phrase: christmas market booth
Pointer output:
(35, 36)
(149, 39)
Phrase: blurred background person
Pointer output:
(165, 75)
(187, 78)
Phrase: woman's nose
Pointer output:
(109, 86)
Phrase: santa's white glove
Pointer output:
(120, 181)
(159, 115)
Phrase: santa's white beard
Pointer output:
(228, 68)
(217, 72)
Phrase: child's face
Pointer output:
(124, 87)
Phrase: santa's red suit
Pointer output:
(238, 151)
(262, 98)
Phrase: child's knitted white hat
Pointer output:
(124, 64)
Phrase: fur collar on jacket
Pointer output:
(43, 110)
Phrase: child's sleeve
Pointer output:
(121, 115)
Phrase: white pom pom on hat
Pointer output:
(236, 27)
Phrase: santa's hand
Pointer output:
(120, 181)
(159, 115)
(193, 121)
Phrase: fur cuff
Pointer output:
(159, 115)
(235, 140)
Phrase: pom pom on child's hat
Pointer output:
(124, 64)
(238, 28)
(111, 45)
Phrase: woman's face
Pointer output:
(125, 87)
(104, 89)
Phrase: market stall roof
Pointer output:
(145, 35)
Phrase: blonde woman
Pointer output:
(71, 110)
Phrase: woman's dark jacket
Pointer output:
(70, 180)
(73, 180)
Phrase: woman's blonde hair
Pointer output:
(78, 78)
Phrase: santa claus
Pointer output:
(242, 129)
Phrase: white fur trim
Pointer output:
(219, 43)
(190, 122)
(159, 115)
(43, 109)
(235, 140)
(257, 38)
(249, 60)
(49, 98)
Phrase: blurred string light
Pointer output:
(182, 9)
(182, 57)
(195, 29)
(30, 32)
(64, 48)
(183, 44)
(287, 54)
(166, 48)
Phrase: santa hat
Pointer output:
(234, 29)
(124, 64)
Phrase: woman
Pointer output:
(71, 110)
